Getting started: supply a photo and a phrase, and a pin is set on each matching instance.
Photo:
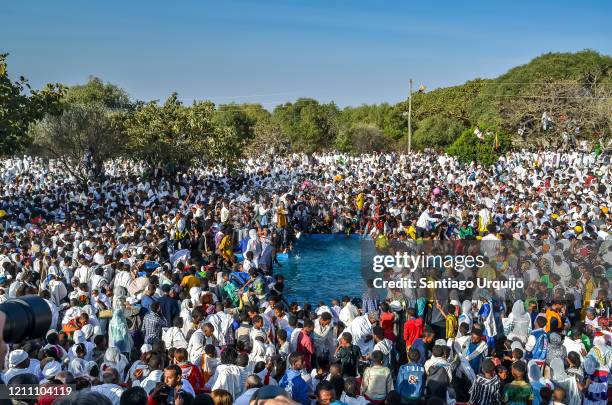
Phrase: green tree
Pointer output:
(20, 106)
(172, 133)
(469, 148)
(451, 102)
(236, 118)
(385, 117)
(95, 91)
(310, 126)
(82, 138)
(436, 132)
(364, 138)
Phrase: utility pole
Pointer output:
(409, 115)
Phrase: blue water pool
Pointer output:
(323, 267)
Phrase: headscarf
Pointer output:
(118, 332)
(51, 369)
(195, 293)
(517, 325)
(561, 379)
(78, 367)
(534, 372)
(600, 351)
(466, 315)
(557, 370)
(555, 348)
(88, 331)
(114, 359)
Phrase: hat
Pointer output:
(146, 348)
(51, 369)
(16, 357)
(440, 342)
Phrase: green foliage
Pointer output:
(575, 89)
(95, 91)
(309, 126)
(450, 102)
(385, 117)
(20, 106)
(235, 117)
(80, 130)
(468, 147)
(363, 138)
(436, 132)
(175, 134)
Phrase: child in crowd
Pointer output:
(518, 392)
(486, 389)
(411, 379)
(377, 380)
(350, 395)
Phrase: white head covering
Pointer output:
(533, 371)
(557, 370)
(114, 358)
(88, 331)
(51, 369)
(16, 357)
(78, 337)
(78, 367)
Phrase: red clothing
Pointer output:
(386, 322)
(413, 329)
(193, 374)
(305, 346)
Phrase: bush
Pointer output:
(468, 147)
(436, 132)
(364, 138)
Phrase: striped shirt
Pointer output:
(485, 391)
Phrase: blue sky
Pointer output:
(351, 52)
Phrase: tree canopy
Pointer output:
(571, 93)
(20, 106)
(95, 91)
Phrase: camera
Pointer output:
(27, 317)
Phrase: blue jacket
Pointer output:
(411, 381)
(295, 385)
(541, 346)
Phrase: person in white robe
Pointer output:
(361, 330)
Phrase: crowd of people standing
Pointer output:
(151, 303)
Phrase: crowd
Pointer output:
(165, 288)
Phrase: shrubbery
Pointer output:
(468, 147)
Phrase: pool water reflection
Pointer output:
(323, 267)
